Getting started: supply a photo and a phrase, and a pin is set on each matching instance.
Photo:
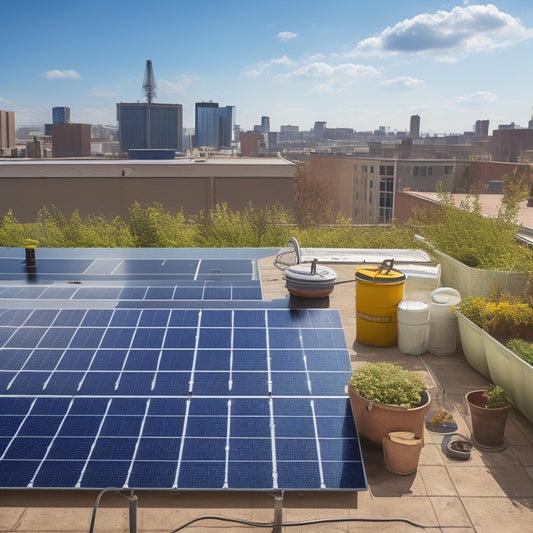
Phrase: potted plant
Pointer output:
(488, 414)
(385, 398)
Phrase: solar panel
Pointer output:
(223, 269)
(176, 398)
(180, 290)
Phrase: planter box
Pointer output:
(498, 364)
(510, 372)
(472, 340)
(477, 282)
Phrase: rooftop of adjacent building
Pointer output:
(490, 204)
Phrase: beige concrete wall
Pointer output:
(26, 189)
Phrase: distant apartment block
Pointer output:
(213, 125)
(363, 188)
(144, 125)
(7, 129)
(508, 143)
(71, 140)
(481, 128)
(250, 144)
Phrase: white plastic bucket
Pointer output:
(442, 321)
(413, 327)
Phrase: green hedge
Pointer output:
(151, 225)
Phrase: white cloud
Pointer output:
(286, 35)
(324, 70)
(177, 87)
(402, 82)
(61, 74)
(258, 69)
(103, 92)
(5, 101)
(461, 31)
(332, 77)
(477, 98)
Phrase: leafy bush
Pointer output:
(522, 348)
(476, 240)
(502, 314)
(388, 384)
(152, 225)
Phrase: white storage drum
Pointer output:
(413, 321)
(442, 321)
(310, 280)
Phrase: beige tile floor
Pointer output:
(492, 492)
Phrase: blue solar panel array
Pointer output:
(149, 392)
(175, 269)
(181, 290)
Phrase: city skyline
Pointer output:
(351, 64)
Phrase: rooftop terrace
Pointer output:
(490, 492)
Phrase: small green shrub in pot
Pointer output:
(388, 384)
(496, 397)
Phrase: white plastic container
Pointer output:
(413, 323)
(442, 321)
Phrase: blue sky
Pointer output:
(351, 63)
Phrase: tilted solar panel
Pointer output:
(176, 398)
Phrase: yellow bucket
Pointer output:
(378, 291)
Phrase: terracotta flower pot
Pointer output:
(488, 425)
(374, 421)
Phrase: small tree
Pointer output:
(515, 190)
(312, 204)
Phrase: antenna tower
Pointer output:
(149, 85)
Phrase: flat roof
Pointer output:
(147, 162)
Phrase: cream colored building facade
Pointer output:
(363, 188)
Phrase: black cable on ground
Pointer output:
(292, 524)
(97, 503)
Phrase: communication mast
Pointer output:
(149, 85)
(150, 90)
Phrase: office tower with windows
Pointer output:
(71, 140)
(265, 124)
(150, 126)
(7, 129)
(60, 115)
(481, 128)
(214, 125)
(414, 127)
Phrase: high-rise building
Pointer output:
(319, 130)
(71, 140)
(414, 127)
(226, 125)
(481, 128)
(213, 125)
(60, 115)
(149, 125)
(265, 124)
(7, 129)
